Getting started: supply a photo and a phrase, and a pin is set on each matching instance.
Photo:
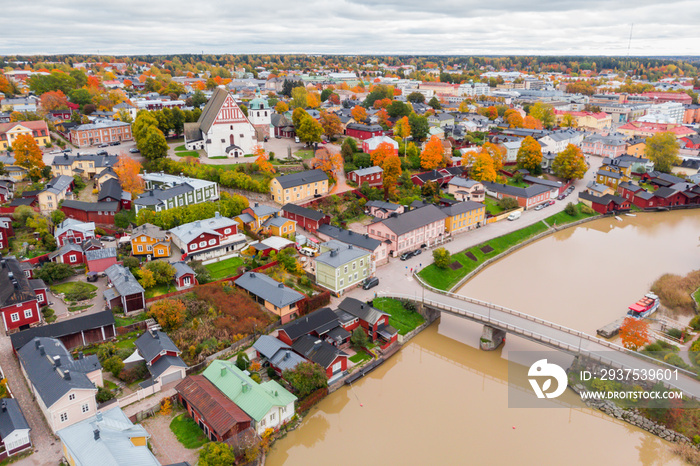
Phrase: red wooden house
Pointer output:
(671, 196)
(73, 231)
(210, 408)
(373, 321)
(99, 260)
(308, 219)
(333, 360)
(318, 323)
(69, 253)
(363, 132)
(98, 212)
(20, 297)
(184, 276)
(606, 203)
(372, 176)
(6, 231)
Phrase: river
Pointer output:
(440, 400)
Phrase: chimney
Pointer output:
(150, 193)
(37, 343)
(57, 361)
(217, 215)
(66, 375)
(80, 355)
(287, 355)
(41, 350)
(96, 434)
(10, 275)
(3, 406)
(15, 283)
(223, 371)
(98, 416)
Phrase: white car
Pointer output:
(296, 139)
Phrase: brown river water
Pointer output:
(441, 400)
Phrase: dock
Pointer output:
(611, 329)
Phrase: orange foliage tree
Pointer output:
(530, 122)
(529, 155)
(127, 170)
(489, 112)
(382, 103)
(262, 160)
(482, 168)
(382, 151)
(383, 116)
(281, 107)
(391, 166)
(433, 155)
(329, 162)
(53, 100)
(28, 155)
(513, 118)
(169, 313)
(331, 124)
(358, 113)
(634, 333)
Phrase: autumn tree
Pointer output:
(402, 129)
(262, 160)
(442, 258)
(53, 100)
(514, 119)
(530, 155)
(391, 167)
(309, 130)
(299, 114)
(489, 112)
(662, 149)
(482, 167)
(383, 118)
(634, 333)
(331, 124)
(169, 313)
(281, 107)
(359, 114)
(531, 122)
(216, 454)
(313, 100)
(127, 170)
(382, 151)
(299, 97)
(568, 121)
(306, 378)
(28, 155)
(497, 154)
(464, 106)
(570, 163)
(433, 155)
(544, 113)
(330, 163)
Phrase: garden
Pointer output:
(74, 292)
(402, 314)
(181, 151)
(225, 268)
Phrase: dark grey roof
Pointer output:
(11, 417)
(646, 195)
(151, 231)
(388, 206)
(361, 310)
(152, 342)
(413, 219)
(543, 182)
(160, 196)
(192, 132)
(361, 127)
(181, 269)
(339, 334)
(68, 247)
(320, 321)
(302, 178)
(461, 207)
(603, 200)
(37, 284)
(100, 161)
(110, 188)
(609, 174)
(263, 210)
(530, 191)
(268, 345)
(18, 201)
(268, 289)
(665, 177)
(9, 293)
(163, 363)
(91, 206)
(340, 253)
(97, 254)
(47, 376)
(629, 186)
(350, 237)
(122, 279)
(59, 184)
(303, 211)
(62, 328)
(90, 242)
(211, 109)
(245, 218)
(317, 350)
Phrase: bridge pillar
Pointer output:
(491, 338)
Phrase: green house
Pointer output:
(341, 266)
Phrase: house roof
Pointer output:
(388, 206)
(61, 328)
(48, 372)
(350, 237)
(414, 219)
(182, 269)
(268, 289)
(192, 230)
(253, 398)
(151, 231)
(164, 363)
(301, 178)
(277, 221)
(91, 243)
(319, 321)
(11, 417)
(245, 218)
(597, 187)
(361, 310)
(97, 254)
(211, 109)
(160, 195)
(603, 200)
(66, 248)
(220, 413)
(629, 186)
(152, 342)
(340, 254)
(461, 207)
(303, 212)
(100, 161)
(530, 191)
(263, 210)
(268, 345)
(124, 282)
(110, 188)
(368, 171)
(72, 224)
(463, 182)
(609, 174)
(316, 350)
(111, 206)
(59, 184)
(113, 447)
(542, 181)
(11, 273)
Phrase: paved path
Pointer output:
(47, 447)
(166, 447)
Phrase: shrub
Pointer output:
(80, 292)
(306, 378)
(256, 377)
(104, 394)
(52, 272)
(113, 365)
(359, 338)
(242, 361)
(271, 372)
(675, 333)
(653, 347)
(587, 210)
(170, 313)
(508, 203)
(695, 323)
(570, 209)
(442, 258)
(134, 374)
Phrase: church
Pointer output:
(222, 130)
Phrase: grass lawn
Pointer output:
(188, 432)
(127, 343)
(188, 153)
(444, 279)
(124, 321)
(400, 318)
(75, 291)
(517, 184)
(109, 384)
(562, 218)
(359, 357)
(304, 154)
(219, 157)
(492, 206)
(180, 148)
(225, 268)
(78, 308)
(159, 290)
(696, 295)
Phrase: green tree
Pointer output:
(359, 338)
(442, 258)
(52, 272)
(529, 155)
(415, 97)
(153, 145)
(398, 109)
(309, 130)
(22, 214)
(216, 454)
(570, 163)
(198, 99)
(113, 365)
(299, 98)
(163, 272)
(435, 103)
(306, 378)
(662, 149)
(508, 203)
(57, 216)
(419, 126)
(80, 97)
(544, 113)
(325, 94)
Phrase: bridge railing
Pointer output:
(539, 337)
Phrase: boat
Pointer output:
(631, 215)
(645, 306)
(618, 218)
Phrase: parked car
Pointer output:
(370, 282)
(134, 150)
(103, 145)
(514, 215)
(417, 252)
(67, 150)
(115, 143)
(102, 152)
(92, 277)
(307, 252)
(107, 238)
(539, 207)
(277, 136)
(552, 202)
(54, 152)
(296, 139)
(561, 196)
(406, 255)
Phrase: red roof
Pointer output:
(37, 125)
(217, 409)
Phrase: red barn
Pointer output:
(671, 196)
(97, 212)
(372, 175)
(184, 275)
(20, 298)
(99, 260)
(73, 231)
(363, 132)
(307, 219)
(605, 204)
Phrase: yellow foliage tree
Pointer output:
(433, 155)
(482, 168)
(281, 107)
(391, 166)
(529, 155)
(570, 163)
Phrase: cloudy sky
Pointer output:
(544, 27)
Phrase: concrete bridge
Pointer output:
(499, 320)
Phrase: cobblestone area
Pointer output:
(166, 447)
(47, 449)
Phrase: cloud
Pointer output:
(545, 27)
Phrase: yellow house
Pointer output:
(464, 216)
(281, 226)
(299, 187)
(637, 147)
(56, 190)
(85, 165)
(256, 215)
(104, 175)
(149, 239)
(37, 129)
(611, 178)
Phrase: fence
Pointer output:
(503, 216)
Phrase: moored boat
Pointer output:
(645, 306)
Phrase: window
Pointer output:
(212, 242)
(14, 317)
(27, 313)
(186, 280)
(345, 269)
(364, 273)
(139, 248)
(193, 246)
(149, 248)
(272, 416)
(202, 244)
(262, 422)
(283, 410)
(85, 408)
(354, 265)
(72, 258)
(355, 277)
(71, 397)
(341, 282)
(337, 367)
(362, 262)
(227, 231)
(40, 297)
(64, 417)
